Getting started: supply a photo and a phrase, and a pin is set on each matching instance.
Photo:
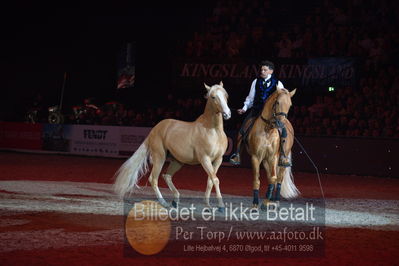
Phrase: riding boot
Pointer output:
(235, 157)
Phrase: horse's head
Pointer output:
(217, 97)
(283, 102)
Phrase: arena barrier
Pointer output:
(333, 155)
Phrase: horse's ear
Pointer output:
(292, 92)
(207, 87)
(221, 83)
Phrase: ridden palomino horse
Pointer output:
(264, 147)
(200, 142)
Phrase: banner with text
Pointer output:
(94, 140)
(310, 74)
(107, 141)
(131, 138)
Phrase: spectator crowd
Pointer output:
(261, 29)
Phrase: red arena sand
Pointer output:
(37, 228)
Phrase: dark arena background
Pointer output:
(83, 86)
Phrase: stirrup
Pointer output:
(284, 161)
(235, 159)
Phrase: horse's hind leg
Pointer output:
(280, 176)
(287, 151)
(158, 159)
(173, 167)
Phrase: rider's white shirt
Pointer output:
(249, 101)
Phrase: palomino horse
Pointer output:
(264, 147)
(200, 142)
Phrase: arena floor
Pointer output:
(60, 210)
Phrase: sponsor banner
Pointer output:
(107, 141)
(131, 138)
(308, 74)
(14, 135)
(93, 140)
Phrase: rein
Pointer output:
(274, 120)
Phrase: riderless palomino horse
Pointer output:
(264, 147)
(200, 142)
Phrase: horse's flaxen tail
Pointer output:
(129, 174)
(288, 188)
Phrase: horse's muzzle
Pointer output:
(226, 116)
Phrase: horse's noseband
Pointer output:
(274, 122)
(279, 113)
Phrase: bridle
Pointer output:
(275, 114)
(279, 113)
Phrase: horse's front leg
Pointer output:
(216, 164)
(213, 180)
(256, 183)
(270, 165)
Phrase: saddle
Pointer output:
(275, 123)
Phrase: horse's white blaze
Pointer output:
(223, 103)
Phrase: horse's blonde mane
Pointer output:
(277, 92)
(273, 97)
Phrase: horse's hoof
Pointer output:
(272, 206)
(263, 207)
(221, 209)
(254, 208)
(174, 204)
(268, 205)
(207, 209)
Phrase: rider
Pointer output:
(261, 88)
